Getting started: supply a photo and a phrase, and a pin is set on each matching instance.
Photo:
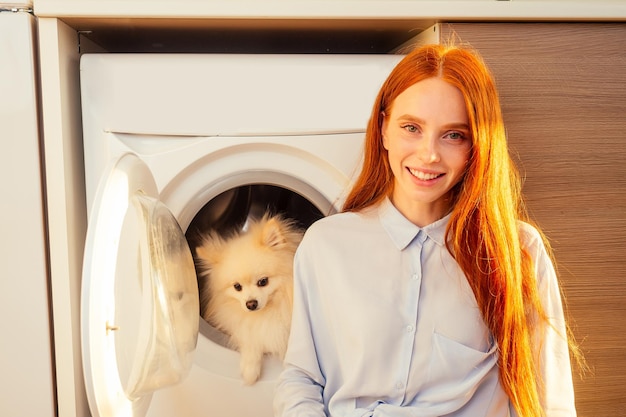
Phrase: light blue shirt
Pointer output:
(385, 324)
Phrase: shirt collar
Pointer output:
(402, 231)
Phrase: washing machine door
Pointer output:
(139, 306)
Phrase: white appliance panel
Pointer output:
(211, 96)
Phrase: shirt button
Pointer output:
(399, 385)
(409, 329)
(415, 277)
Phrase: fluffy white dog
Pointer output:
(247, 288)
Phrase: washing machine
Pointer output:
(179, 144)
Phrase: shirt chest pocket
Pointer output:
(455, 370)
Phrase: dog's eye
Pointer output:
(237, 287)
(262, 282)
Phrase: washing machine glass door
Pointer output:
(140, 307)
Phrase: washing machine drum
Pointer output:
(230, 211)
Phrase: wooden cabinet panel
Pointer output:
(563, 92)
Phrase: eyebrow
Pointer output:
(454, 125)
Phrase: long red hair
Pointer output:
(482, 233)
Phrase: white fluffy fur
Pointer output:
(233, 270)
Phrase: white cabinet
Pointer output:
(26, 379)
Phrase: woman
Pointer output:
(429, 295)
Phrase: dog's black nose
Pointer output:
(252, 304)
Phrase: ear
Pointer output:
(272, 234)
(209, 252)
(383, 129)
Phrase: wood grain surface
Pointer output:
(563, 93)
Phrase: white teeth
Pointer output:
(424, 176)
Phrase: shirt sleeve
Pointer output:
(556, 388)
(300, 385)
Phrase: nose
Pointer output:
(428, 149)
(252, 304)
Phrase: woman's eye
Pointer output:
(455, 135)
(262, 282)
(237, 287)
(410, 128)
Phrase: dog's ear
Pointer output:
(272, 234)
(209, 252)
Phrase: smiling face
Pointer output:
(428, 140)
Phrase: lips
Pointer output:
(424, 176)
